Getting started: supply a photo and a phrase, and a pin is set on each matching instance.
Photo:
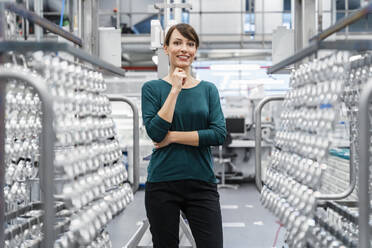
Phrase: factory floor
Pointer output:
(246, 224)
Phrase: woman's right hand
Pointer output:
(178, 78)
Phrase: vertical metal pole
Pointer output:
(200, 18)
(130, 14)
(2, 133)
(136, 147)
(2, 161)
(250, 16)
(223, 165)
(320, 16)
(177, 12)
(308, 21)
(80, 13)
(94, 28)
(298, 24)
(71, 14)
(258, 111)
(90, 26)
(242, 15)
(27, 22)
(38, 5)
(333, 11)
(118, 14)
(87, 25)
(263, 23)
(364, 166)
(346, 14)
(166, 11)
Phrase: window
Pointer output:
(287, 5)
(363, 25)
(286, 19)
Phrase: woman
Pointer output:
(183, 117)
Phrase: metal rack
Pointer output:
(257, 113)
(136, 158)
(46, 157)
(364, 122)
(48, 136)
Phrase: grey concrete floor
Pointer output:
(246, 224)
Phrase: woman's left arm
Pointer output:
(213, 136)
(216, 133)
(190, 138)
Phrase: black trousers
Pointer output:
(198, 200)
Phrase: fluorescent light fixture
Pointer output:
(258, 81)
(231, 74)
(235, 67)
(155, 59)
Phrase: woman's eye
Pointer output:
(176, 42)
(191, 44)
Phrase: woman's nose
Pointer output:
(183, 47)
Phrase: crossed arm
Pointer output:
(157, 122)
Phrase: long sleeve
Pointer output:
(156, 127)
(216, 132)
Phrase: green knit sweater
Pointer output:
(197, 109)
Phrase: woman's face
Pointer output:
(181, 51)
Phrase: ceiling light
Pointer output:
(235, 67)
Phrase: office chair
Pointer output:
(225, 156)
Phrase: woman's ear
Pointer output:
(165, 47)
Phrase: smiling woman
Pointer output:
(183, 117)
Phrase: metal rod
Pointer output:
(2, 133)
(80, 12)
(354, 45)
(2, 158)
(71, 14)
(47, 139)
(352, 179)
(136, 155)
(258, 111)
(136, 238)
(42, 22)
(346, 14)
(27, 22)
(118, 14)
(166, 10)
(320, 15)
(186, 230)
(344, 22)
(364, 172)
(347, 192)
(27, 46)
(38, 9)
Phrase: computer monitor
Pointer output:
(235, 125)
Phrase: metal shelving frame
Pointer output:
(48, 136)
(47, 139)
(317, 43)
(136, 159)
(364, 165)
(257, 112)
(50, 46)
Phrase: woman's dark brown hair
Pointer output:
(186, 31)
